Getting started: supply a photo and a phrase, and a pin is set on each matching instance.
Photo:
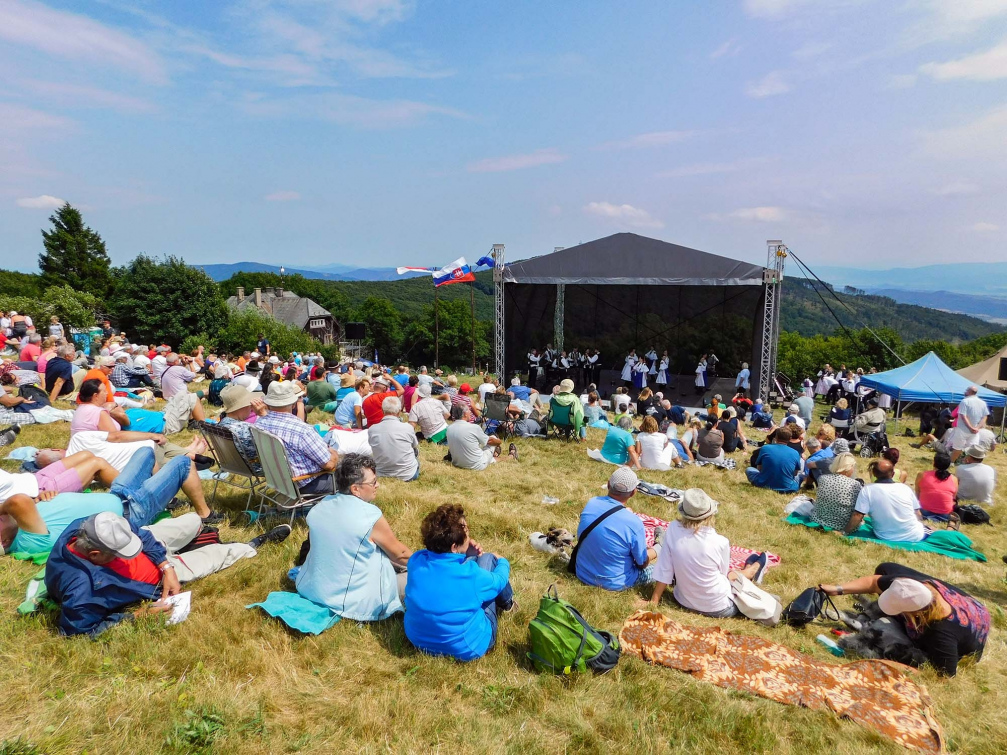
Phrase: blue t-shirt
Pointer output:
(677, 415)
(617, 445)
(345, 414)
(823, 455)
(402, 378)
(59, 513)
(57, 367)
(444, 603)
(521, 392)
(613, 554)
(145, 421)
(780, 465)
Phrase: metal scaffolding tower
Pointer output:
(776, 257)
(498, 312)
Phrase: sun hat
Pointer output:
(104, 362)
(381, 380)
(623, 480)
(235, 397)
(841, 446)
(252, 367)
(332, 364)
(424, 390)
(566, 385)
(347, 379)
(905, 595)
(255, 355)
(112, 533)
(118, 356)
(219, 371)
(696, 505)
(282, 393)
(976, 451)
(274, 359)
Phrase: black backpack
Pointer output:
(807, 607)
(972, 514)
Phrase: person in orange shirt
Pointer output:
(102, 369)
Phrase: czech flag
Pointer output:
(457, 272)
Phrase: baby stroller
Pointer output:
(873, 444)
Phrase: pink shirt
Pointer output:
(86, 416)
(937, 496)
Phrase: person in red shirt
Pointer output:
(371, 407)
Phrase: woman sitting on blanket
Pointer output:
(654, 448)
(942, 620)
(837, 493)
(698, 560)
(937, 489)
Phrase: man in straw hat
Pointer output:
(614, 553)
(310, 457)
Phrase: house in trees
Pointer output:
(291, 309)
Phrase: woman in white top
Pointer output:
(640, 375)
(690, 437)
(627, 370)
(662, 372)
(701, 375)
(698, 560)
(652, 360)
(653, 447)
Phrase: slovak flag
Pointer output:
(457, 272)
(403, 270)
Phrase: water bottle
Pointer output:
(548, 500)
(830, 645)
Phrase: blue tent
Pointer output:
(927, 379)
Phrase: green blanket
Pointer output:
(948, 543)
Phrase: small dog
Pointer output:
(554, 542)
(878, 635)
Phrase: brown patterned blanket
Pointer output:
(874, 693)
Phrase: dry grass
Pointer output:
(232, 680)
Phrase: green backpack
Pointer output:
(563, 642)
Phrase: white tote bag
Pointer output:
(754, 602)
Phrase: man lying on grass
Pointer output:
(102, 564)
(32, 525)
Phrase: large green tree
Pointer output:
(166, 300)
(74, 255)
(384, 327)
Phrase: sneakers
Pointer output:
(278, 534)
(7, 436)
(214, 517)
(762, 559)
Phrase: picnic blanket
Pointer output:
(738, 554)
(874, 693)
(297, 612)
(948, 543)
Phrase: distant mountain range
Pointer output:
(326, 272)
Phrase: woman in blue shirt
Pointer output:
(455, 590)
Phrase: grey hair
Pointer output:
(350, 470)
(812, 443)
(86, 545)
(34, 338)
(391, 406)
(626, 422)
(171, 358)
(68, 350)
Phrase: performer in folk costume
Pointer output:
(701, 375)
(593, 366)
(627, 370)
(534, 368)
(662, 372)
(652, 360)
(548, 357)
(826, 379)
(640, 375)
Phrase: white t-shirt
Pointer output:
(17, 483)
(484, 389)
(425, 379)
(698, 563)
(158, 364)
(975, 409)
(620, 400)
(654, 448)
(141, 360)
(892, 507)
(96, 441)
(468, 446)
(349, 441)
(976, 482)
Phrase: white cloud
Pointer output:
(517, 162)
(651, 139)
(15, 118)
(982, 139)
(43, 202)
(74, 95)
(707, 169)
(770, 85)
(957, 189)
(985, 66)
(282, 196)
(74, 37)
(754, 214)
(771, 8)
(626, 214)
(985, 228)
(347, 110)
(729, 48)
(812, 50)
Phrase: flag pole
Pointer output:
(437, 330)
(472, 304)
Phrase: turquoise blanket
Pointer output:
(297, 612)
(948, 543)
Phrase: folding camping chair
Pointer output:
(560, 421)
(229, 459)
(496, 406)
(287, 494)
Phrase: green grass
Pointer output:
(230, 680)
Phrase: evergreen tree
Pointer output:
(74, 255)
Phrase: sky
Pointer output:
(868, 133)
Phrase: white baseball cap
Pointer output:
(905, 595)
(113, 534)
(623, 480)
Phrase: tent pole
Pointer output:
(1003, 417)
(898, 411)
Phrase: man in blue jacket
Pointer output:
(102, 564)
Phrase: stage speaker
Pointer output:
(355, 331)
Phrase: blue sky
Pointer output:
(387, 132)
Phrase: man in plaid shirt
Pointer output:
(124, 376)
(307, 453)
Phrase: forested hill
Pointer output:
(805, 313)
(803, 310)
